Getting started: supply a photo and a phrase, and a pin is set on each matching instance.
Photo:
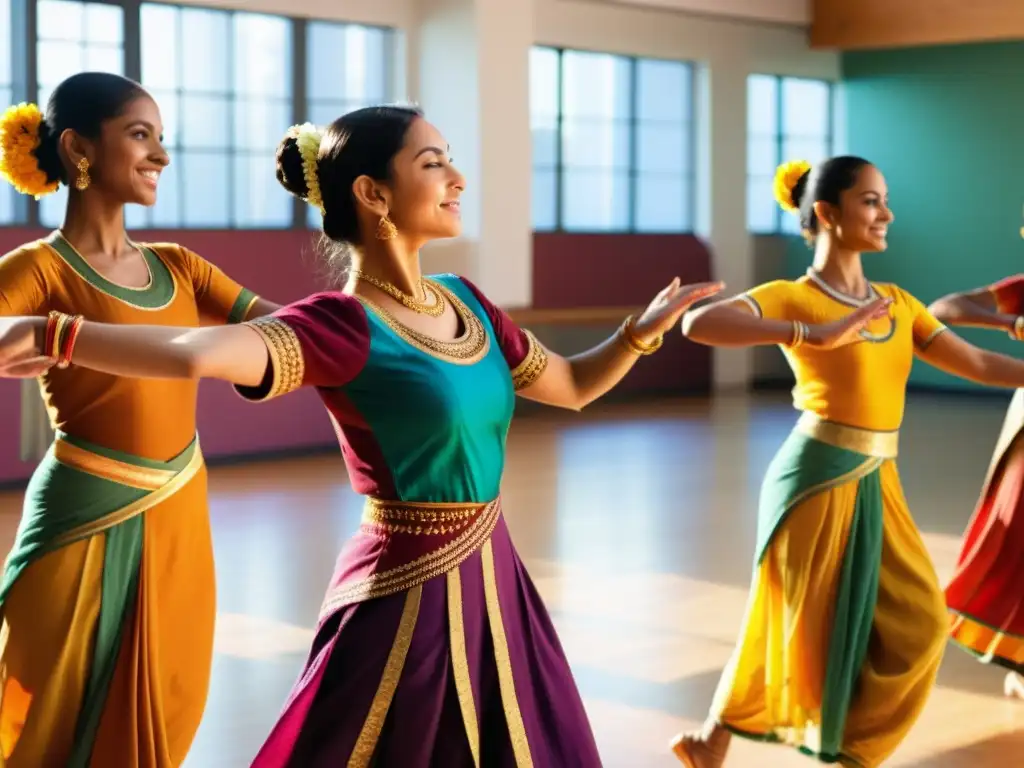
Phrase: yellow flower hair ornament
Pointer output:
(786, 177)
(19, 138)
(307, 138)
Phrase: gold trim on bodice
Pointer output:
(532, 366)
(468, 348)
(869, 442)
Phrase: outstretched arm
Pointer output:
(992, 306)
(950, 353)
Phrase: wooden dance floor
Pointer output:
(637, 522)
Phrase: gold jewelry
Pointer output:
(627, 335)
(427, 289)
(83, 180)
(386, 230)
(800, 331)
(1018, 329)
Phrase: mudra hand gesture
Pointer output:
(669, 305)
(848, 329)
(20, 356)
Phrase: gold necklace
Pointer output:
(426, 288)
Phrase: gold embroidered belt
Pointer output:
(401, 544)
(869, 442)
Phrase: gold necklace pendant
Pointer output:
(435, 309)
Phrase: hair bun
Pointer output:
(289, 167)
(788, 178)
(22, 129)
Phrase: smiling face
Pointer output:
(861, 220)
(128, 156)
(425, 187)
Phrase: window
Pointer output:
(347, 67)
(223, 82)
(612, 142)
(788, 118)
(7, 193)
(74, 37)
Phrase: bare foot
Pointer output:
(1013, 686)
(704, 749)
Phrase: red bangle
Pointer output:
(68, 339)
(52, 320)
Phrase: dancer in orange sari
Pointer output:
(986, 594)
(107, 598)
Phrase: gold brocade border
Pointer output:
(503, 661)
(143, 478)
(366, 744)
(150, 500)
(417, 519)
(532, 366)
(460, 664)
(868, 442)
(417, 571)
(288, 367)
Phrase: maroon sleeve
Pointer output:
(525, 356)
(320, 341)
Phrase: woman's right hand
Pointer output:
(20, 355)
(847, 330)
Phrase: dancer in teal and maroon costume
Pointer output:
(432, 648)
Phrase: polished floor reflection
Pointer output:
(637, 522)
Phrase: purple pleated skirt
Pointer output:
(462, 670)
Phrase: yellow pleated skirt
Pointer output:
(160, 683)
(772, 688)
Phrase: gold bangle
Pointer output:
(628, 337)
(800, 331)
(1018, 329)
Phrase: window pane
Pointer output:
(595, 85)
(58, 60)
(5, 49)
(206, 205)
(761, 206)
(763, 105)
(325, 59)
(167, 211)
(51, 208)
(592, 144)
(60, 20)
(543, 199)
(104, 24)
(159, 46)
(790, 223)
(136, 217)
(205, 122)
(259, 199)
(811, 150)
(167, 103)
(595, 200)
(545, 144)
(543, 83)
(263, 56)
(104, 59)
(805, 107)
(325, 112)
(663, 203)
(260, 124)
(204, 53)
(663, 148)
(663, 90)
(762, 155)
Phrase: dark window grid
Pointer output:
(631, 123)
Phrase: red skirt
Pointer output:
(986, 595)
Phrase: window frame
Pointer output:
(779, 134)
(25, 87)
(632, 121)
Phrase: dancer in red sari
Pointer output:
(986, 595)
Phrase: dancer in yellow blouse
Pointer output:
(107, 598)
(846, 623)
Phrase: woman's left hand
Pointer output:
(669, 305)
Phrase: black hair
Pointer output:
(82, 103)
(823, 184)
(360, 143)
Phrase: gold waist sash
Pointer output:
(420, 518)
(869, 442)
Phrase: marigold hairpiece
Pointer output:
(307, 138)
(19, 138)
(786, 177)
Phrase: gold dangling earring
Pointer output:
(386, 230)
(83, 180)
